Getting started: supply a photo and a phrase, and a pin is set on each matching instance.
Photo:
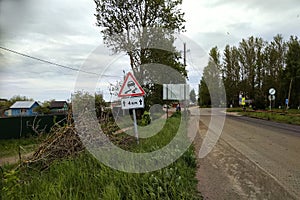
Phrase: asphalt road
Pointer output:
(253, 159)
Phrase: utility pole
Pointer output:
(290, 89)
(184, 54)
(184, 63)
(289, 95)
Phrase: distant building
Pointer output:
(23, 108)
(7, 113)
(59, 107)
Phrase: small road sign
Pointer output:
(130, 87)
(132, 103)
(271, 97)
(272, 91)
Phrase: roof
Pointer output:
(23, 104)
(58, 104)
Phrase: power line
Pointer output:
(53, 63)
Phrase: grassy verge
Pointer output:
(238, 109)
(11, 147)
(274, 116)
(278, 115)
(83, 177)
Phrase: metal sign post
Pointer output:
(134, 93)
(135, 126)
(133, 103)
(167, 108)
(270, 99)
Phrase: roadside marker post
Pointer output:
(134, 93)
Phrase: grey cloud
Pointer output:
(53, 19)
(266, 5)
(219, 39)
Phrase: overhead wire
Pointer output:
(55, 64)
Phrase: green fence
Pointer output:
(17, 127)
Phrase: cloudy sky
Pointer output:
(64, 32)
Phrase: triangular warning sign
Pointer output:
(131, 87)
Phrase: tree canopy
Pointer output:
(144, 29)
(254, 66)
(193, 96)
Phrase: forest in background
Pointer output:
(251, 69)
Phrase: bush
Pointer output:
(146, 119)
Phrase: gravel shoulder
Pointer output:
(228, 173)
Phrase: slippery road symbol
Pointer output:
(132, 87)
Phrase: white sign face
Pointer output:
(176, 92)
(132, 103)
(271, 97)
(272, 91)
(131, 87)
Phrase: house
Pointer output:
(24, 108)
(58, 107)
(7, 113)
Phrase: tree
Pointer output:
(125, 24)
(250, 59)
(210, 85)
(42, 109)
(231, 71)
(292, 70)
(4, 105)
(204, 95)
(82, 100)
(144, 30)
(193, 96)
(19, 98)
(99, 104)
(273, 68)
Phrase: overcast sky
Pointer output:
(64, 32)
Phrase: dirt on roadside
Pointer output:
(14, 159)
(227, 174)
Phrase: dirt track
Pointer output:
(14, 159)
(250, 161)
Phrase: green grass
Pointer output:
(10, 147)
(274, 116)
(237, 109)
(291, 116)
(83, 177)
(276, 110)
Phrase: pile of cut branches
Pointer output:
(62, 142)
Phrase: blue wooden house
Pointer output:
(24, 108)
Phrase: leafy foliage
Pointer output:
(253, 67)
(193, 96)
(144, 30)
(84, 98)
(210, 85)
